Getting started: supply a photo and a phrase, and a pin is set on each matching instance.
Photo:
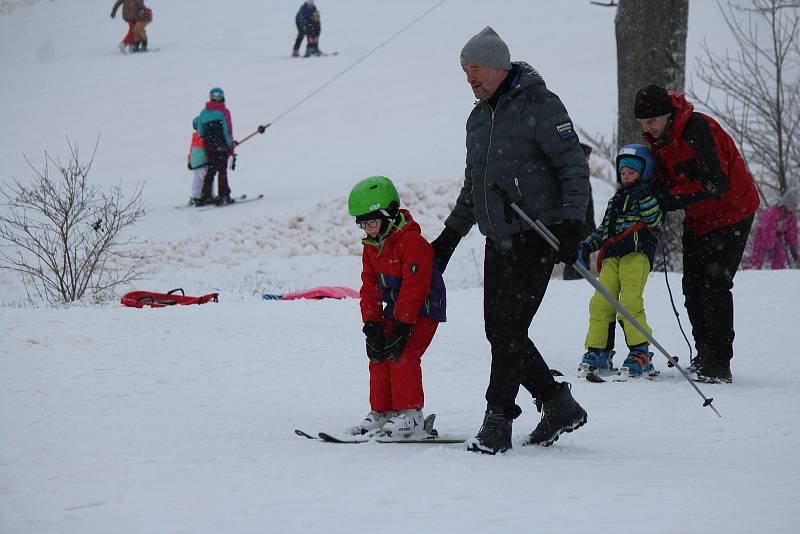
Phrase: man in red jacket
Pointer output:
(700, 170)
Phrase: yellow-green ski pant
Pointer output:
(624, 278)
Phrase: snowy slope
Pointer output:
(180, 420)
(400, 112)
(158, 422)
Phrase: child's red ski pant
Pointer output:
(398, 385)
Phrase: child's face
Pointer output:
(628, 176)
(372, 227)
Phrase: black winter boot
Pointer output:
(712, 372)
(495, 433)
(560, 414)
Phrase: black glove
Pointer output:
(444, 246)
(375, 340)
(569, 235)
(397, 341)
(261, 129)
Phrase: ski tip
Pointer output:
(594, 378)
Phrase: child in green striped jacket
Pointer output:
(626, 240)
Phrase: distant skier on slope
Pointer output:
(398, 270)
(137, 15)
(313, 28)
(216, 129)
(300, 21)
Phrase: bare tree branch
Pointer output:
(66, 237)
(755, 91)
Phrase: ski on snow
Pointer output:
(430, 436)
(616, 375)
(321, 54)
(237, 200)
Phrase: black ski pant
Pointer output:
(514, 283)
(217, 164)
(710, 262)
(301, 32)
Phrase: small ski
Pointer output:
(304, 434)
(594, 375)
(430, 436)
(211, 204)
(238, 200)
(322, 54)
(148, 51)
(622, 375)
(432, 439)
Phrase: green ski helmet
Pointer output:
(373, 194)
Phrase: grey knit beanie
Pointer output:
(790, 199)
(486, 48)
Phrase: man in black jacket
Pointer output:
(522, 148)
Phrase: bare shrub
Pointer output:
(755, 89)
(66, 237)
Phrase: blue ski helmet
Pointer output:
(216, 93)
(644, 157)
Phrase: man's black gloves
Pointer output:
(375, 340)
(444, 246)
(397, 341)
(569, 237)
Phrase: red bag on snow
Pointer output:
(140, 299)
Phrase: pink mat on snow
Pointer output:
(322, 292)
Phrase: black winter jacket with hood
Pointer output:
(524, 150)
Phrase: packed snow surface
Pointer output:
(180, 420)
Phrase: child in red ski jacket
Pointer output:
(402, 303)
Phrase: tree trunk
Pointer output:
(651, 48)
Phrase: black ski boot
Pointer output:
(560, 414)
(712, 372)
(495, 433)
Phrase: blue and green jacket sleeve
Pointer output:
(624, 210)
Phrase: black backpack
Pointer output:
(214, 136)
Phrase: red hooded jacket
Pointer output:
(702, 170)
(399, 271)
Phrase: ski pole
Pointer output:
(259, 130)
(552, 240)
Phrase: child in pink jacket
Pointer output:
(776, 234)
